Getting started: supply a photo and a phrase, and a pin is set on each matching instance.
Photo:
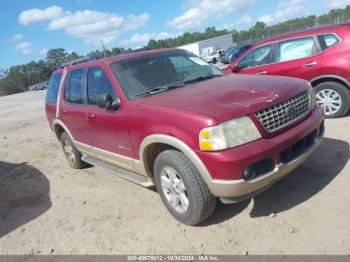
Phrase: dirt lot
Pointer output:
(46, 207)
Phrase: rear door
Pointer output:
(256, 62)
(108, 130)
(297, 57)
(73, 108)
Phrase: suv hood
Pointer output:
(229, 97)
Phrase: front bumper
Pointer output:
(236, 190)
(241, 189)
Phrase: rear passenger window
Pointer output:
(52, 89)
(327, 41)
(98, 84)
(74, 87)
(295, 49)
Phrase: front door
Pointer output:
(257, 61)
(108, 130)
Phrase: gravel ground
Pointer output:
(47, 207)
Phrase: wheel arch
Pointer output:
(330, 78)
(152, 145)
(59, 128)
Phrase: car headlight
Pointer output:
(312, 97)
(229, 134)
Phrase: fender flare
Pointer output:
(336, 77)
(57, 122)
(178, 144)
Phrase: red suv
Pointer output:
(169, 119)
(320, 55)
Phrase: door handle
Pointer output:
(262, 73)
(311, 64)
(90, 116)
(64, 112)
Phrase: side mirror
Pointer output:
(107, 102)
(235, 68)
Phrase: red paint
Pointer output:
(182, 113)
(334, 61)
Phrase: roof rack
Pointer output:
(136, 50)
(79, 60)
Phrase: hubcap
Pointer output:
(329, 100)
(68, 151)
(174, 189)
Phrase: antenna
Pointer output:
(104, 48)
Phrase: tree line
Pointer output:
(20, 77)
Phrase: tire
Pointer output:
(333, 90)
(71, 153)
(201, 203)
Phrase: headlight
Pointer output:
(312, 97)
(229, 134)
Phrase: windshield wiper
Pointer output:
(201, 78)
(159, 89)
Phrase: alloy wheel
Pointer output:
(329, 100)
(68, 151)
(174, 189)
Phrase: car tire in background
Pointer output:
(182, 189)
(334, 98)
(71, 152)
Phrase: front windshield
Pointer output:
(150, 74)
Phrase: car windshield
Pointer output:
(151, 74)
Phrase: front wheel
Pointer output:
(181, 188)
(334, 98)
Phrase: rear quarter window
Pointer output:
(52, 89)
(327, 41)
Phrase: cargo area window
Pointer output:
(295, 49)
(52, 89)
(73, 92)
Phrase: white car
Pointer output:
(214, 57)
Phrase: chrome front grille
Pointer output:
(285, 113)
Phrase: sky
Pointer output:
(30, 27)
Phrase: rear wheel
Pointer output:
(71, 152)
(181, 188)
(334, 98)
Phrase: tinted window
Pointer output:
(327, 41)
(98, 84)
(52, 89)
(258, 57)
(74, 88)
(295, 49)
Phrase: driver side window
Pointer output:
(258, 57)
(98, 84)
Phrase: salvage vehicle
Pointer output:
(320, 55)
(167, 118)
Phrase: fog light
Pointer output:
(249, 173)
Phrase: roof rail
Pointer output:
(79, 60)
